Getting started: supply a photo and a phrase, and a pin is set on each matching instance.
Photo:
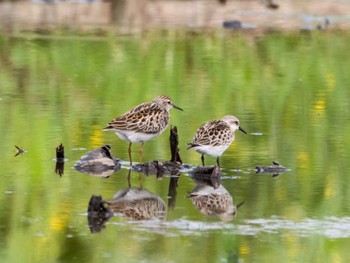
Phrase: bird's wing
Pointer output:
(146, 117)
(214, 133)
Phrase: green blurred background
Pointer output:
(291, 87)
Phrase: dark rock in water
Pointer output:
(99, 168)
(98, 162)
(232, 24)
(151, 168)
(102, 152)
(203, 171)
(211, 175)
(96, 206)
(161, 168)
(98, 214)
(158, 168)
(215, 177)
(274, 169)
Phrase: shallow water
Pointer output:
(290, 92)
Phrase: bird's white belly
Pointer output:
(132, 136)
(214, 151)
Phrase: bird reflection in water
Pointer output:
(98, 214)
(134, 203)
(138, 204)
(213, 201)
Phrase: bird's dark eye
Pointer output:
(236, 122)
(169, 102)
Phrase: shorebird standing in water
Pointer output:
(143, 122)
(214, 137)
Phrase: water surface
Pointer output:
(290, 92)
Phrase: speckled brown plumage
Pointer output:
(213, 202)
(143, 122)
(214, 137)
(214, 133)
(145, 118)
(138, 204)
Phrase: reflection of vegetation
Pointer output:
(292, 88)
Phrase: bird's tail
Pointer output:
(108, 128)
(191, 145)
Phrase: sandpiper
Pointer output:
(214, 137)
(143, 122)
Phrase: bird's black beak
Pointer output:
(240, 128)
(176, 107)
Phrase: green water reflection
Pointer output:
(292, 88)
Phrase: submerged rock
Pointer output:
(98, 162)
(98, 214)
(209, 175)
(159, 168)
(275, 169)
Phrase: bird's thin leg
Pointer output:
(217, 161)
(130, 154)
(202, 158)
(141, 145)
(129, 173)
(140, 180)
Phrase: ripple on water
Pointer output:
(330, 227)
